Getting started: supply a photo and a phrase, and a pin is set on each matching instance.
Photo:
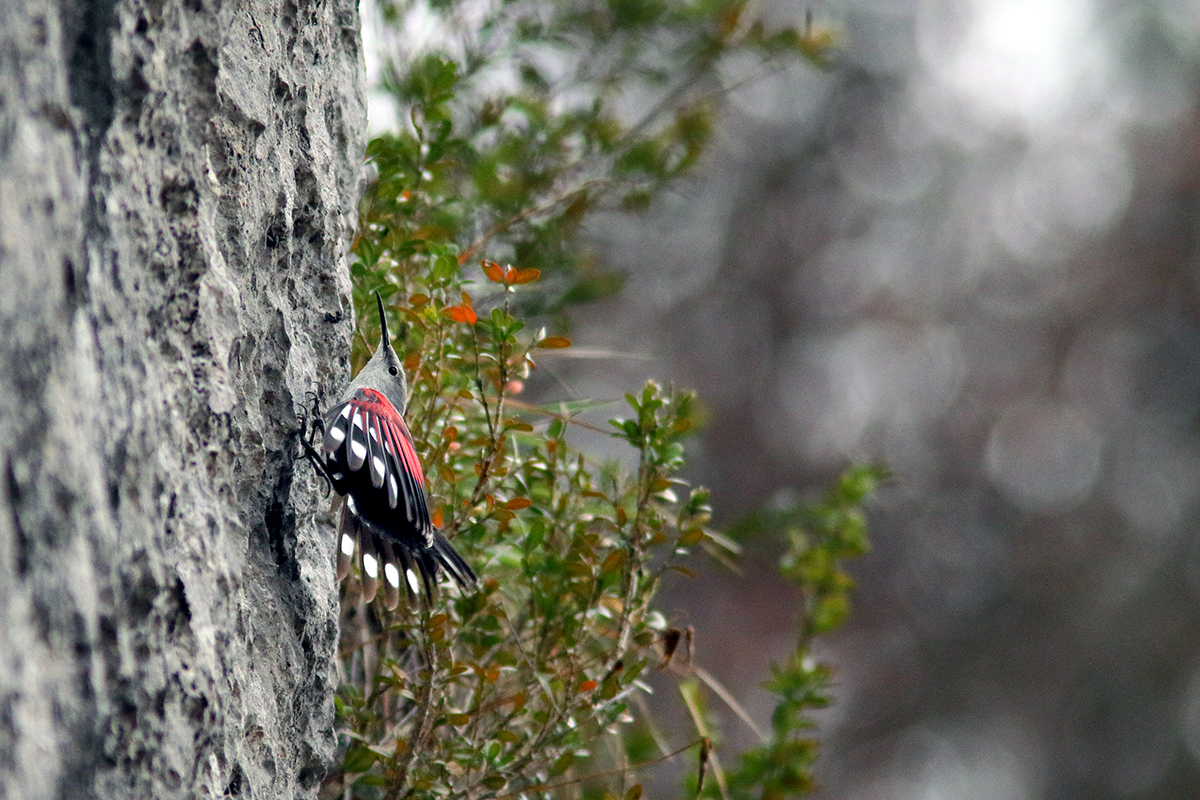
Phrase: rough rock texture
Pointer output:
(177, 186)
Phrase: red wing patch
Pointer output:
(367, 431)
(385, 420)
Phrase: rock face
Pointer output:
(177, 188)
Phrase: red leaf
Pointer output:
(524, 275)
(462, 314)
(493, 270)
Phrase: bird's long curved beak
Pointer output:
(383, 338)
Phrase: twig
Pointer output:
(698, 721)
(545, 787)
(720, 691)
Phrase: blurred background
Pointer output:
(967, 250)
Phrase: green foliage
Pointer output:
(514, 130)
(512, 686)
(821, 537)
(525, 117)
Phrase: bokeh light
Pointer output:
(968, 249)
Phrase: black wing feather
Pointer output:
(370, 458)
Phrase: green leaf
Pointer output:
(444, 268)
(562, 764)
(358, 759)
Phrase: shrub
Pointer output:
(515, 130)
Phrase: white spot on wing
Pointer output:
(413, 580)
(353, 506)
(359, 449)
(392, 574)
(377, 465)
(337, 433)
(370, 565)
(347, 544)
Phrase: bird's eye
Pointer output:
(393, 371)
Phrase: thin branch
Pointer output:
(709, 680)
(545, 787)
(702, 728)
(524, 215)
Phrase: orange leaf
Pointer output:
(466, 300)
(437, 517)
(412, 361)
(587, 686)
(517, 503)
(612, 561)
(554, 342)
(461, 314)
(525, 275)
(493, 270)
(510, 274)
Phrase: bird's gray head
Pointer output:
(383, 372)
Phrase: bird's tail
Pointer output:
(395, 565)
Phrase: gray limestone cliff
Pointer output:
(177, 189)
